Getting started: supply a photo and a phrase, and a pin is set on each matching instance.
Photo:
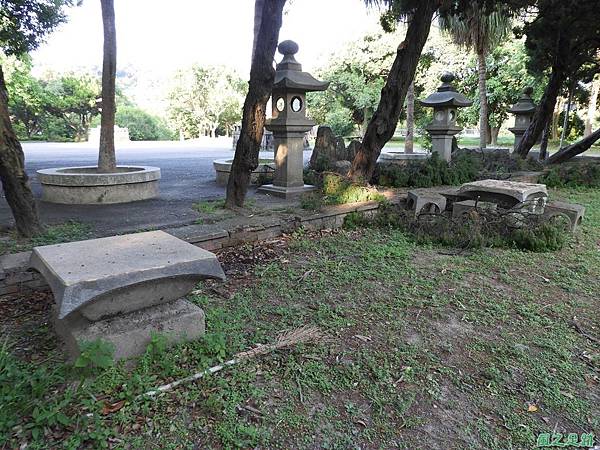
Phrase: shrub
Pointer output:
(479, 228)
(142, 126)
(573, 175)
(339, 190)
(432, 172)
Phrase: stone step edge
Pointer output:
(15, 276)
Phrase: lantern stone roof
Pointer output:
(289, 75)
(446, 95)
(525, 104)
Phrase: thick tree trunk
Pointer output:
(106, 156)
(575, 149)
(410, 119)
(262, 76)
(592, 106)
(483, 104)
(542, 113)
(12, 173)
(385, 119)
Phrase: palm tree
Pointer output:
(480, 32)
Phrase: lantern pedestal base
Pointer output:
(286, 192)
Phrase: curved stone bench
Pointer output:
(103, 284)
(265, 170)
(507, 194)
(85, 185)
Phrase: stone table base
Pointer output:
(131, 333)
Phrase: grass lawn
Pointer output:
(424, 349)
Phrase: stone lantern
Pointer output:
(523, 111)
(289, 123)
(444, 103)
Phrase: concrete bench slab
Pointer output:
(116, 275)
(425, 200)
(507, 194)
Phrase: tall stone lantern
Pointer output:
(289, 123)
(523, 111)
(444, 103)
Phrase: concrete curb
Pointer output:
(15, 276)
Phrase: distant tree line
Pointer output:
(63, 107)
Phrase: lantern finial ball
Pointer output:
(528, 91)
(288, 48)
(447, 77)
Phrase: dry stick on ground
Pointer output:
(578, 328)
(300, 335)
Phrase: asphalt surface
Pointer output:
(187, 177)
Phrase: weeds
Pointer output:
(572, 175)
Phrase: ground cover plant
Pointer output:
(578, 174)
(335, 189)
(425, 349)
(54, 234)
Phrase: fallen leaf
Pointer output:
(362, 338)
(110, 408)
(532, 408)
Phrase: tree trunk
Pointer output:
(385, 119)
(566, 118)
(544, 142)
(494, 131)
(555, 118)
(592, 105)
(575, 149)
(106, 156)
(262, 76)
(410, 119)
(542, 113)
(12, 173)
(483, 105)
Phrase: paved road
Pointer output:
(187, 176)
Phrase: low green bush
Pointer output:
(477, 229)
(338, 190)
(572, 175)
(431, 172)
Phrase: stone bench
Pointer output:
(132, 282)
(506, 194)
(572, 211)
(425, 201)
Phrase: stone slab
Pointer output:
(518, 190)
(130, 334)
(156, 266)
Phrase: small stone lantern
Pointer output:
(444, 103)
(523, 111)
(289, 123)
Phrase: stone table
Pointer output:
(102, 280)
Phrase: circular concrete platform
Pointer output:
(86, 186)
(262, 174)
(399, 157)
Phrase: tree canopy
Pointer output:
(25, 23)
